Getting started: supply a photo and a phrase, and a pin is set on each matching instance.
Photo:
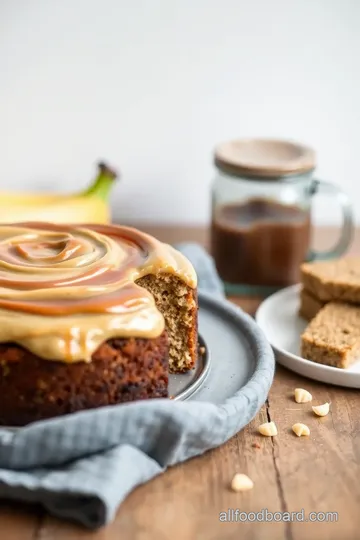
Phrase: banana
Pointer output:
(89, 206)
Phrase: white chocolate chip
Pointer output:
(268, 429)
(321, 410)
(302, 396)
(300, 429)
(241, 482)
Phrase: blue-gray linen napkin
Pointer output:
(82, 466)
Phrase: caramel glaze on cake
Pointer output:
(90, 316)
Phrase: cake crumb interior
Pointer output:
(177, 303)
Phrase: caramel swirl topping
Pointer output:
(64, 290)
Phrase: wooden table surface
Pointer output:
(316, 474)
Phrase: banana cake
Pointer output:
(90, 315)
(333, 280)
(309, 305)
(333, 335)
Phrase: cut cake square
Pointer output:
(333, 336)
(309, 305)
(333, 280)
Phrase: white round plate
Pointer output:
(282, 325)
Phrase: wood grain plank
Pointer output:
(19, 522)
(55, 529)
(318, 473)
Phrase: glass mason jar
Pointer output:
(261, 214)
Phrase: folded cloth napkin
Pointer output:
(82, 466)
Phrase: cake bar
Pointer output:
(333, 336)
(309, 305)
(333, 280)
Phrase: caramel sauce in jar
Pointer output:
(260, 242)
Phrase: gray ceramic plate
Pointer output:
(230, 359)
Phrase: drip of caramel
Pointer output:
(66, 289)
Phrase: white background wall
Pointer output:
(153, 85)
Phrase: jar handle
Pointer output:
(348, 227)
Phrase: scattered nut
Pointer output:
(300, 429)
(321, 410)
(241, 482)
(302, 396)
(256, 445)
(202, 350)
(268, 429)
